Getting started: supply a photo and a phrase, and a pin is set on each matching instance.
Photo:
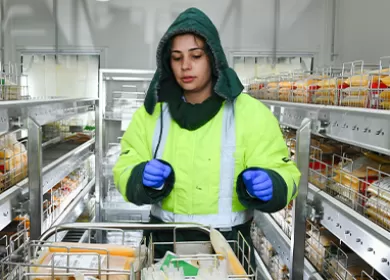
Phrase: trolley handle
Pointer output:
(121, 226)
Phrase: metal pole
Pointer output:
(98, 159)
(35, 178)
(276, 33)
(55, 13)
(2, 32)
(100, 140)
(297, 250)
(332, 46)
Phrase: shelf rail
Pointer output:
(299, 204)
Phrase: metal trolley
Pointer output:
(67, 260)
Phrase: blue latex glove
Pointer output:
(155, 174)
(258, 184)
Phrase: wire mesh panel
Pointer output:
(124, 104)
(318, 242)
(35, 260)
(377, 204)
(272, 88)
(10, 83)
(272, 261)
(380, 83)
(13, 161)
(340, 265)
(61, 260)
(284, 219)
(74, 130)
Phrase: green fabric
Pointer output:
(193, 116)
(261, 143)
(279, 198)
(135, 153)
(195, 159)
(164, 88)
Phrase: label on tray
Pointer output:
(78, 261)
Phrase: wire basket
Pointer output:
(271, 91)
(112, 155)
(257, 88)
(278, 270)
(368, 195)
(327, 91)
(74, 130)
(13, 161)
(124, 104)
(62, 194)
(13, 92)
(303, 87)
(377, 204)
(284, 219)
(116, 209)
(340, 265)
(52, 260)
(380, 83)
(359, 81)
(10, 88)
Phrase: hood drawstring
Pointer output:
(161, 131)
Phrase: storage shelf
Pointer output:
(368, 240)
(39, 102)
(65, 154)
(48, 163)
(63, 150)
(365, 128)
(281, 243)
(74, 209)
(14, 114)
(10, 198)
(59, 160)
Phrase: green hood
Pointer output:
(226, 85)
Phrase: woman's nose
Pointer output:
(186, 64)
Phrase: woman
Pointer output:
(198, 150)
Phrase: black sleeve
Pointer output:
(279, 197)
(139, 194)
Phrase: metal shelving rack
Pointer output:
(364, 128)
(46, 167)
(121, 93)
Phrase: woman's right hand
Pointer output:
(155, 174)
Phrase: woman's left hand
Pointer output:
(258, 184)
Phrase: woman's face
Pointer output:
(189, 63)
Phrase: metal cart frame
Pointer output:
(20, 263)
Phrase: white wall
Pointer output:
(362, 30)
(129, 31)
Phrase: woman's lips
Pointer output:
(188, 79)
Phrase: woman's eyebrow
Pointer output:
(190, 50)
(194, 49)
